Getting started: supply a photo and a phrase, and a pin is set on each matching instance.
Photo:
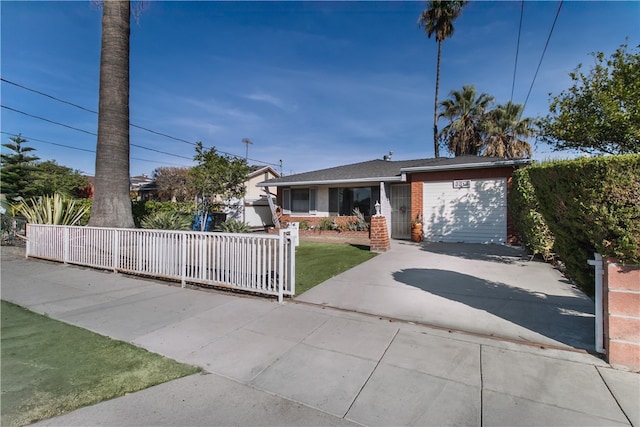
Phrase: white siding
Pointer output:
(477, 214)
(385, 203)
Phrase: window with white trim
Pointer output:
(299, 200)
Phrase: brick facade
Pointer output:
(313, 221)
(621, 305)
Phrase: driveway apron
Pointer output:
(492, 290)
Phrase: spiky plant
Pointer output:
(234, 226)
(361, 223)
(56, 210)
(166, 220)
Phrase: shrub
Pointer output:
(305, 224)
(142, 209)
(166, 220)
(591, 205)
(56, 210)
(86, 204)
(326, 224)
(361, 223)
(234, 226)
(525, 212)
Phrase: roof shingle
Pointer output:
(372, 169)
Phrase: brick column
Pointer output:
(621, 305)
(416, 198)
(379, 235)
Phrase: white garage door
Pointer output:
(473, 211)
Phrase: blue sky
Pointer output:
(314, 84)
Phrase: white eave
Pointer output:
(398, 178)
(499, 163)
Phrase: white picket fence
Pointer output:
(255, 263)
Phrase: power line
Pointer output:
(49, 142)
(47, 95)
(130, 124)
(29, 138)
(515, 66)
(542, 56)
(161, 152)
(47, 120)
(92, 133)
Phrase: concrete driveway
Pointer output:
(491, 290)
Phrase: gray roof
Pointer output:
(388, 170)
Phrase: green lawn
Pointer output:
(49, 367)
(317, 262)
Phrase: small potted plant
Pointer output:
(416, 228)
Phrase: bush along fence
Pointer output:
(262, 264)
(571, 209)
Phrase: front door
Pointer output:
(401, 211)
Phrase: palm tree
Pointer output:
(438, 19)
(467, 114)
(504, 128)
(112, 204)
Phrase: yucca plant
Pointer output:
(234, 226)
(55, 210)
(361, 222)
(166, 220)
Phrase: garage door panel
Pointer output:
(473, 214)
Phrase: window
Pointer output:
(299, 200)
(342, 201)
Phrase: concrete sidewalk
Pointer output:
(297, 364)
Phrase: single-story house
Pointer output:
(254, 208)
(461, 199)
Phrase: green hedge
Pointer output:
(590, 205)
(527, 219)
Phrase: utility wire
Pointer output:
(48, 142)
(47, 120)
(47, 95)
(130, 124)
(29, 138)
(542, 56)
(515, 66)
(92, 133)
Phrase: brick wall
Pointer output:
(315, 220)
(379, 235)
(621, 305)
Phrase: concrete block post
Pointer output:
(622, 314)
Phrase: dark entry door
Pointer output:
(401, 211)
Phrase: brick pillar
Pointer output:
(416, 199)
(379, 235)
(621, 305)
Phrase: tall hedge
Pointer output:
(527, 219)
(590, 205)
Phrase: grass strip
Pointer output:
(49, 368)
(317, 262)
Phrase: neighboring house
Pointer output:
(462, 199)
(254, 209)
(142, 188)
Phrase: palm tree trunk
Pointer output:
(436, 148)
(111, 203)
